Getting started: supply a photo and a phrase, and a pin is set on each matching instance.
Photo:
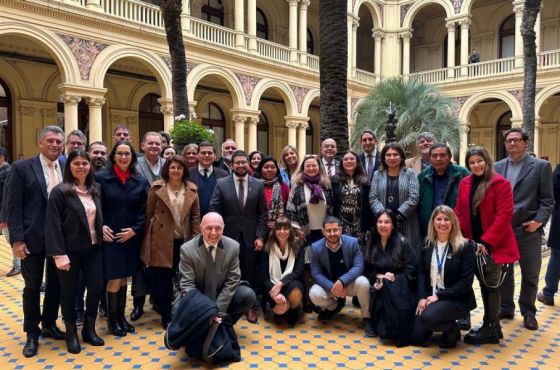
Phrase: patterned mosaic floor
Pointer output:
(312, 344)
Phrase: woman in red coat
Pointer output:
(485, 208)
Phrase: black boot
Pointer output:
(138, 308)
(88, 331)
(72, 341)
(464, 322)
(487, 333)
(113, 323)
(450, 337)
(120, 313)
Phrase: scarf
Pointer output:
(276, 207)
(274, 268)
(120, 174)
(314, 184)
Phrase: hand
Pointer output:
(216, 319)
(338, 290)
(259, 244)
(20, 249)
(431, 299)
(124, 235)
(378, 284)
(276, 289)
(108, 234)
(422, 304)
(65, 267)
(389, 276)
(481, 249)
(531, 226)
(280, 299)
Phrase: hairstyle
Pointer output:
(368, 131)
(226, 140)
(331, 220)
(134, 160)
(456, 238)
(486, 176)
(265, 160)
(150, 133)
(179, 159)
(206, 144)
(238, 153)
(272, 241)
(166, 136)
(524, 134)
(190, 146)
(396, 147)
(360, 175)
(96, 143)
(441, 145)
(51, 129)
(285, 151)
(168, 147)
(77, 133)
(68, 179)
(426, 136)
(253, 153)
(297, 178)
(119, 127)
(394, 243)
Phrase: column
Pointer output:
(450, 49)
(464, 129)
(349, 22)
(71, 112)
(378, 39)
(518, 7)
(185, 16)
(239, 25)
(166, 107)
(465, 23)
(292, 132)
(95, 119)
(303, 32)
(252, 25)
(538, 31)
(239, 124)
(94, 5)
(302, 138)
(292, 33)
(192, 109)
(406, 36)
(537, 136)
(355, 23)
(252, 139)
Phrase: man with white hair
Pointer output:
(229, 146)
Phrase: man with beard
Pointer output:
(97, 152)
(241, 201)
(424, 142)
(228, 147)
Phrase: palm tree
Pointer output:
(532, 8)
(171, 12)
(420, 107)
(333, 64)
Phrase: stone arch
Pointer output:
(311, 95)
(138, 94)
(282, 88)
(115, 52)
(543, 95)
(230, 80)
(373, 9)
(417, 6)
(17, 82)
(67, 64)
(50, 90)
(506, 97)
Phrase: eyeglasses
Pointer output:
(123, 154)
(75, 143)
(240, 163)
(514, 141)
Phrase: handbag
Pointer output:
(485, 264)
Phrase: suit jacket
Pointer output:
(532, 191)
(221, 165)
(67, 227)
(457, 277)
(248, 223)
(196, 177)
(335, 169)
(554, 236)
(27, 203)
(376, 162)
(144, 169)
(321, 267)
(193, 268)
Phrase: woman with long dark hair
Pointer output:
(254, 158)
(123, 199)
(485, 208)
(73, 235)
(173, 218)
(275, 190)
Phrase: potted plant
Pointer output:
(188, 131)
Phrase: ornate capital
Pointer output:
(304, 125)
(292, 124)
(377, 34)
(303, 4)
(465, 23)
(518, 9)
(465, 128)
(292, 2)
(355, 22)
(239, 120)
(406, 36)
(166, 110)
(95, 102)
(70, 99)
(450, 26)
(254, 120)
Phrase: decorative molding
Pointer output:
(85, 52)
(96, 102)
(518, 94)
(248, 83)
(300, 94)
(459, 101)
(292, 124)
(48, 113)
(457, 4)
(381, 11)
(404, 10)
(70, 99)
(26, 111)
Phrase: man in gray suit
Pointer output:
(531, 182)
(328, 154)
(210, 264)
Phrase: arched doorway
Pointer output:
(213, 118)
(6, 119)
(503, 124)
(150, 117)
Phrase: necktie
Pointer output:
(53, 177)
(370, 165)
(329, 169)
(241, 193)
(211, 251)
(205, 173)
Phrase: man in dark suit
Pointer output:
(228, 148)
(29, 186)
(210, 264)
(241, 201)
(205, 176)
(531, 182)
(370, 156)
(328, 153)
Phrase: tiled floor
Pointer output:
(339, 344)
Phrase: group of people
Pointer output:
(404, 238)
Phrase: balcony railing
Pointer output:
(212, 33)
(430, 77)
(134, 11)
(548, 59)
(313, 62)
(273, 51)
(365, 77)
(491, 67)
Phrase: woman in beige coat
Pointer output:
(173, 217)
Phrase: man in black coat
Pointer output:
(29, 186)
(225, 162)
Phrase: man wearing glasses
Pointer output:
(75, 140)
(531, 182)
(424, 143)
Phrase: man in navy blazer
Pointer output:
(337, 265)
(370, 155)
(30, 183)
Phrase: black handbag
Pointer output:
(485, 264)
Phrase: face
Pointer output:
(269, 171)
(311, 167)
(228, 148)
(212, 229)
(176, 171)
(423, 145)
(328, 149)
(152, 145)
(442, 225)
(168, 153)
(291, 158)
(164, 142)
(477, 165)
(332, 233)
(282, 234)
(368, 142)
(80, 168)
(349, 163)
(121, 134)
(239, 166)
(74, 142)
(393, 158)
(515, 145)
(206, 156)
(98, 155)
(439, 159)
(191, 155)
(256, 160)
(123, 157)
(384, 225)
(51, 145)
(2, 159)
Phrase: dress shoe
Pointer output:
(252, 316)
(136, 313)
(31, 345)
(325, 315)
(51, 331)
(369, 328)
(549, 301)
(487, 333)
(464, 322)
(505, 315)
(72, 341)
(530, 322)
(13, 272)
(450, 337)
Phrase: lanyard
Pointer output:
(440, 262)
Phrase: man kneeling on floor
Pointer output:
(337, 265)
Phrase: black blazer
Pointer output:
(26, 203)
(458, 276)
(554, 236)
(67, 227)
(221, 165)
(296, 274)
(376, 162)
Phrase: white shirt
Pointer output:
(373, 155)
(156, 168)
(209, 169)
(245, 186)
(207, 245)
(45, 165)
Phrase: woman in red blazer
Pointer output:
(485, 208)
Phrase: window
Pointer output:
(262, 134)
(310, 43)
(213, 11)
(150, 117)
(213, 118)
(262, 25)
(507, 37)
(503, 124)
